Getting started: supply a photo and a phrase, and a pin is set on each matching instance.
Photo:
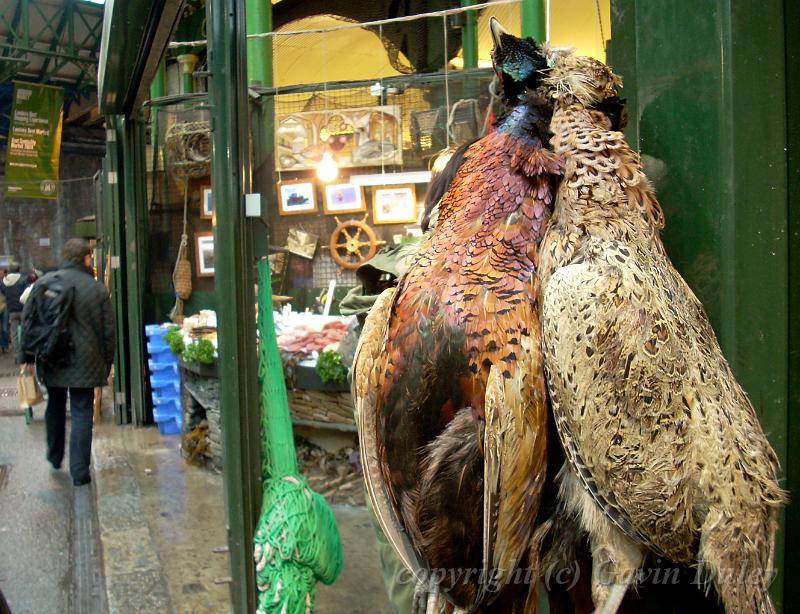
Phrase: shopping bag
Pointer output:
(28, 391)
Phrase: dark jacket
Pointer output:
(13, 292)
(91, 326)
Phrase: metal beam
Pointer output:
(76, 59)
(12, 27)
(234, 286)
(62, 23)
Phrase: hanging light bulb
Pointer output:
(327, 169)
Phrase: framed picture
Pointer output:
(296, 197)
(204, 256)
(344, 198)
(394, 205)
(206, 203)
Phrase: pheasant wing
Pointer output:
(367, 364)
(616, 365)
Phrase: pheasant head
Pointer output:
(582, 79)
(520, 63)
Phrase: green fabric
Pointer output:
(398, 581)
(392, 259)
(296, 541)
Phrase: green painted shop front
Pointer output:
(714, 100)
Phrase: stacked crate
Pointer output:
(165, 381)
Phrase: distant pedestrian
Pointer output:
(90, 326)
(3, 317)
(12, 288)
(31, 279)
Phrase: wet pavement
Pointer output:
(161, 525)
(43, 568)
(148, 535)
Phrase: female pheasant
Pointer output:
(665, 454)
(448, 377)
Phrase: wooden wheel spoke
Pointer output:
(353, 243)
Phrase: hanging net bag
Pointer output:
(188, 146)
(182, 273)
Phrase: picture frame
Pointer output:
(206, 203)
(204, 254)
(394, 204)
(344, 198)
(296, 197)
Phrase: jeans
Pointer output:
(80, 438)
(15, 320)
(4, 331)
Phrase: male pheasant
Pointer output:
(665, 454)
(448, 377)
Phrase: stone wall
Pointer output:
(34, 231)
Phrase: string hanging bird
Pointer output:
(665, 454)
(448, 377)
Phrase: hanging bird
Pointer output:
(448, 378)
(665, 454)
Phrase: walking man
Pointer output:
(12, 288)
(91, 342)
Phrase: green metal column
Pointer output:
(158, 89)
(707, 98)
(259, 72)
(187, 62)
(235, 277)
(469, 36)
(115, 217)
(791, 598)
(259, 50)
(534, 19)
(131, 143)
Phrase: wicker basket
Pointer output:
(182, 278)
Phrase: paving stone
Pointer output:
(141, 591)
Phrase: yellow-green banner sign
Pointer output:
(34, 141)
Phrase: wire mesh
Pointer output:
(378, 98)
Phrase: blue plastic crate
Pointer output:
(165, 393)
(167, 380)
(165, 412)
(167, 404)
(163, 369)
(170, 426)
(161, 353)
(156, 345)
(154, 330)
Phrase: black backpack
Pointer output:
(45, 328)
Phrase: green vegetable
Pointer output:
(201, 351)
(330, 368)
(174, 339)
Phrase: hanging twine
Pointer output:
(182, 273)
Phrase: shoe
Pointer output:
(82, 481)
(56, 466)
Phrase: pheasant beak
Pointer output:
(497, 31)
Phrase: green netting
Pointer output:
(296, 543)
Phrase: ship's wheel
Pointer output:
(353, 243)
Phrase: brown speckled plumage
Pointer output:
(456, 428)
(462, 349)
(665, 454)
